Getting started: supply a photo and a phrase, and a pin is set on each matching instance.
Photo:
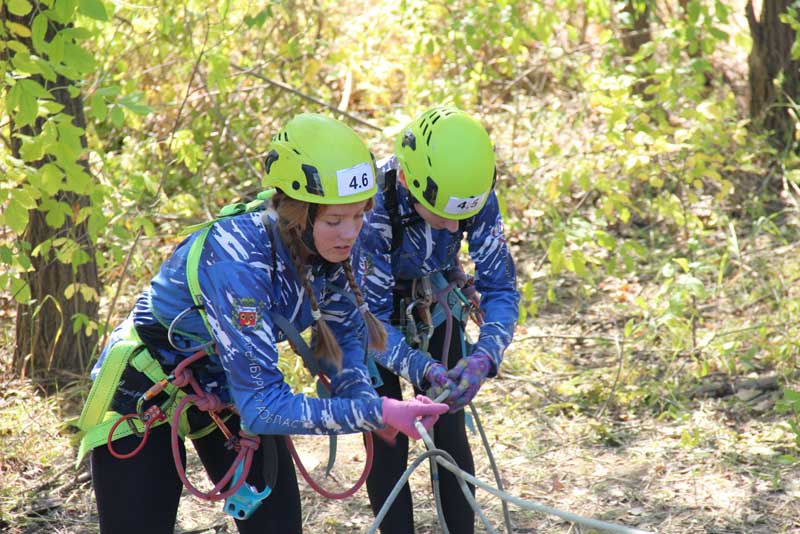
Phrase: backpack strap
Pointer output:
(390, 201)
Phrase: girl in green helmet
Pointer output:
(255, 277)
(437, 191)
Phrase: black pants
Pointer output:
(390, 462)
(141, 494)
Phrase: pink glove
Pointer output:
(402, 414)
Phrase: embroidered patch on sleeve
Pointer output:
(247, 313)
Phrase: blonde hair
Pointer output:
(294, 216)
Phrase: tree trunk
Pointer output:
(636, 35)
(639, 32)
(769, 59)
(46, 342)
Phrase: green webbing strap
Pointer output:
(95, 410)
(231, 210)
(105, 385)
(97, 434)
(192, 270)
(193, 258)
(144, 363)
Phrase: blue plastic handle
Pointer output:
(246, 500)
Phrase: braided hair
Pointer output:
(375, 330)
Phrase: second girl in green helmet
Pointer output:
(438, 191)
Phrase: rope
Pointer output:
(451, 466)
(327, 493)
(495, 470)
(246, 445)
(310, 480)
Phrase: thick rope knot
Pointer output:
(181, 376)
(209, 403)
(456, 274)
(249, 441)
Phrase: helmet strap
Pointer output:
(308, 234)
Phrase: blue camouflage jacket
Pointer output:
(245, 272)
(424, 251)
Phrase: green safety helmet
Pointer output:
(321, 160)
(448, 162)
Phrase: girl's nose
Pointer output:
(350, 231)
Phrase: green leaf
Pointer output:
(693, 12)
(693, 285)
(19, 7)
(51, 178)
(56, 213)
(18, 29)
(578, 263)
(50, 107)
(16, 217)
(98, 107)
(89, 293)
(555, 255)
(62, 11)
(132, 102)
(23, 62)
(259, 19)
(78, 58)
(20, 290)
(111, 90)
(34, 88)
(28, 108)
(55, 49)
(117, 116)
(93, 8)
(42, 249)
(791, 395)
(69, 291)
(629, 328)
(38, 32)
(77, 179)
(683, 263)
(32, 148)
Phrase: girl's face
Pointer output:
(336, 229)
(435, 221)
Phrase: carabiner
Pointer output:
(171, 328)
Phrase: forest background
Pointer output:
(648, 177)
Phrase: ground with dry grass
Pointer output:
(672, 465)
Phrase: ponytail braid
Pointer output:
(375, 329)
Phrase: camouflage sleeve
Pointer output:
(236, 296)
(496, 280)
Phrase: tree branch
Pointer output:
(310, 98)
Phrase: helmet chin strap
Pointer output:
(308, 234)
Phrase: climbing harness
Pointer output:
(296, 341)
(99, 426)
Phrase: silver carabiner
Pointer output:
(171, 328)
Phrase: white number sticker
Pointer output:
(459, 205)
(355, 179)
